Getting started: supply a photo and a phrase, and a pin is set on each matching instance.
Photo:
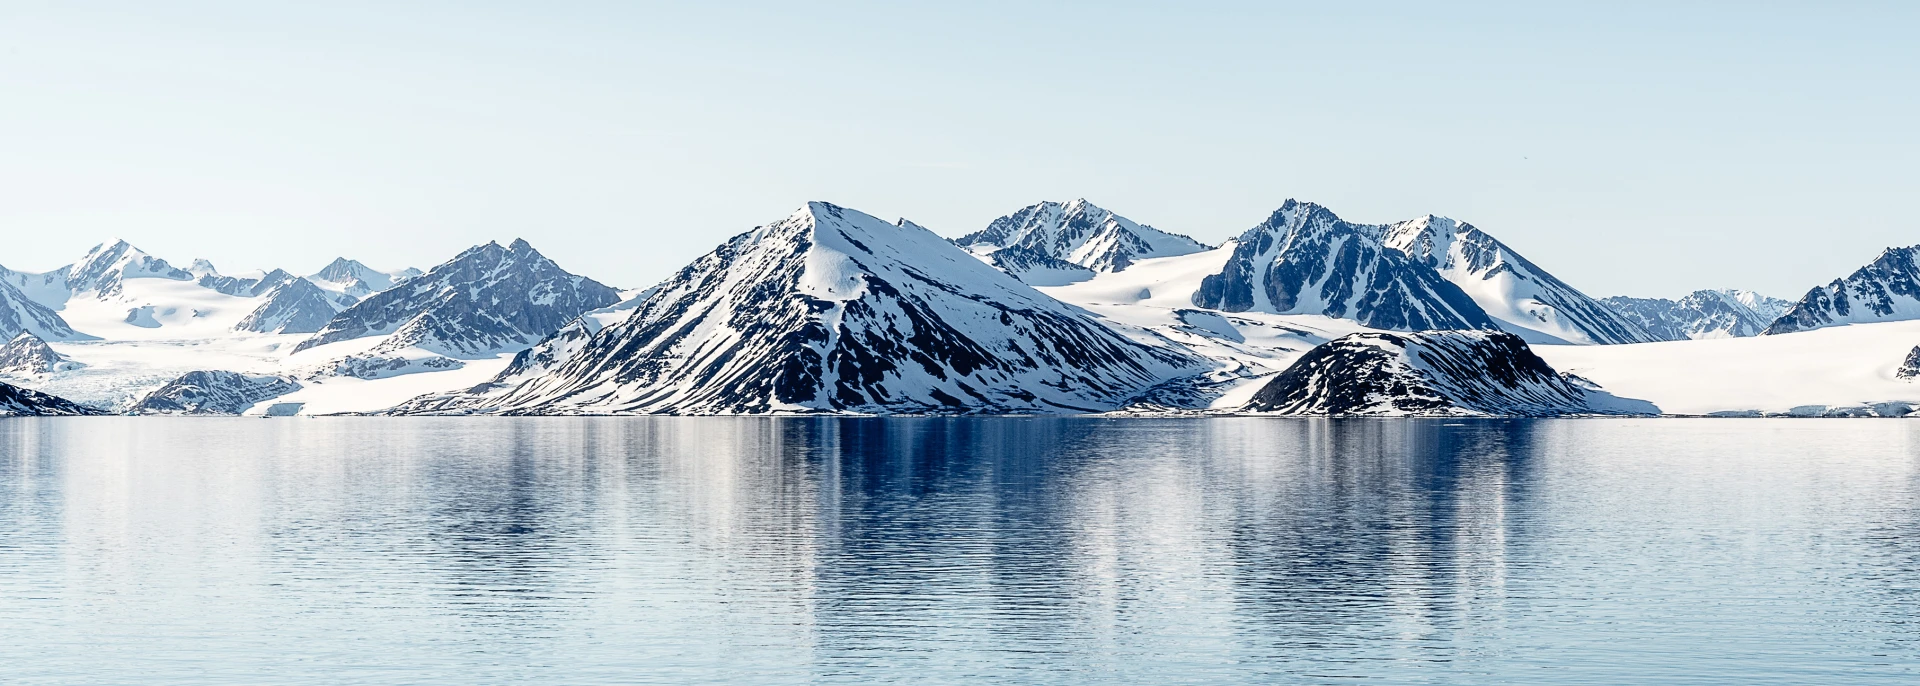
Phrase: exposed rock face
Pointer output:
(486, 300)
(294, 305)
(1077, 233)
(1036, 268)
(27, 355)
(1439, 373)
(831, 310)
(20, 402)
(382, 366)
(1702, 314)
(1524, 298)
(1305, 260)
(214, 392)
(1910, 367)
(1886, 290)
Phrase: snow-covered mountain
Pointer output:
(107, 266)
(830, 310)
(22, 402)
(1888, 289)
(358, 280)
(485, 300)
(1524, 298)
(1078, 233)
(293, 305)
(26, 355)
(1723, 313)
(1305, 260)
(1438, 373)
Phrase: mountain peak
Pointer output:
(1079, 233)
(487, 299)
(833, 310)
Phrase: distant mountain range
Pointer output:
(1055, 308)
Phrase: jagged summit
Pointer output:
(1304, 259)
(827, 310)
(1080, 233)
(358, 280)
(1887, 289)
(107, 265)
(1722, 313)
(487, 299)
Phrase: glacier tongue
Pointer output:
(832, 310)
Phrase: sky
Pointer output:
(1646, 149)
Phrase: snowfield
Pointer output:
(1836, 367)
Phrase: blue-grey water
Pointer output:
(753, 550)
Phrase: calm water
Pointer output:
(553, 551)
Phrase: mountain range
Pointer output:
(1055, 308)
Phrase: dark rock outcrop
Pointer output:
(1435, 373)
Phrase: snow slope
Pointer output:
(1524, 298)
(1156, 295)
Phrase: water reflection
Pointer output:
(1032, 550)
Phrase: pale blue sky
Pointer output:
(1639, 148)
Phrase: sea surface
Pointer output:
(990, 550)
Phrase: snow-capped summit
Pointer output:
(1304, 259)
(202, 267)
(358, 280)
(487, 299)
(107, 265)
(1888, 289)
(1077, 232)
(1769, 308)
(832, 310)
(1523, 297)
(1724, 313)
